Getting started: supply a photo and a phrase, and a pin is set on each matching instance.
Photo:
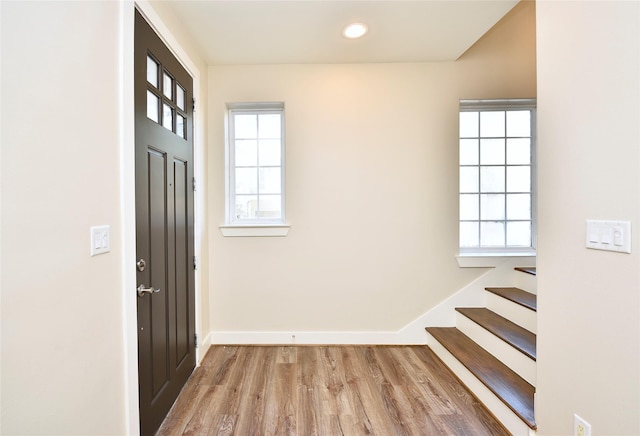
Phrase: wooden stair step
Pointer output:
(514, 335)
(512, 390)
(526, 269)
(518, 296)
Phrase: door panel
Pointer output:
(164, 225)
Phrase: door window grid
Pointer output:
(166, 99)
(256, 155)
(496, 189)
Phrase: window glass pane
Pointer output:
(519, 179)
(468, 124)
(519, 123)
(246, 181)
(519, 234)
(180, 125)
(469, 207)
(269, 152)
(246, 153)
(469, 152)
(492, 152)
(167, 116)
(519, 151)
(246, 126)
(246, 206)
(269, 181)
(469, 179)
(492, 179)
(469, 234)
(167, 85)
(152, 71)
(492, 234)
(180, 97)
(492, 124)
(518, 206)
(270, 206)
(492, 207)
(153, 106)
(269, 126)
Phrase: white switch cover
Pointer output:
(100, 240)
(609, 235)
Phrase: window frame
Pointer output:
(503, 105)
(232, 223)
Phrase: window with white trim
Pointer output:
(497, 176)
(255, 173)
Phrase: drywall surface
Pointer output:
(589, 168)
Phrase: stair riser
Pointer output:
(510, 420)
(526, 282)
(516, 313)
(523, 365)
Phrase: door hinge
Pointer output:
(195, 262)
(193, 104)
(194, 184)
(195, 340)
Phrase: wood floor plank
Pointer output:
(326, 390)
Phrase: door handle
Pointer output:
(142, 290)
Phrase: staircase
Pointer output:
(492, 350)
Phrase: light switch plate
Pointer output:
(609, 235)
(100, 240)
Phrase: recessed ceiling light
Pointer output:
(355, 30)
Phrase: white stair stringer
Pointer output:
(514, 312)
(519, 362)
(501, 411)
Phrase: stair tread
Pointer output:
(526, 269)
(514, 335)
(518, 296)
(514, 391)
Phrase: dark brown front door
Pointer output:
(164, 225)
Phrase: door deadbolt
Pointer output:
(141, 264)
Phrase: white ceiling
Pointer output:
(309, 31)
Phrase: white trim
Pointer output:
(492, 260)
(254, 230)
(307, 338)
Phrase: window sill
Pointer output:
(491, 260)
(255, 230)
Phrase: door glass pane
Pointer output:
(492, 179)
(519, 207)
(246, 153)
(492, 234)
(519, 234)
(246, 206)
(492, 207)
(245, 126)
(518, 179)
(269, 126)
(468, 152)
(270, 206)
(180, 97)
(153, 106)
(180, 126)
(469, 234)
(468, 124)
(492, 124)
(519, 151)
(469, 207)
(469, 179)
(167, 85)
(519, 123)
(167, 116)
(269, 180)
(246, 180)
(492, 152)
(270, 152)
(152, 71)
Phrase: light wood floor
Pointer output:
(326, 390)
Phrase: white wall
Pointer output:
(62, 310)
(589, 154)
(371, 184)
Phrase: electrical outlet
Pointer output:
(581, 427)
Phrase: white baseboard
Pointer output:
(306, 338)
